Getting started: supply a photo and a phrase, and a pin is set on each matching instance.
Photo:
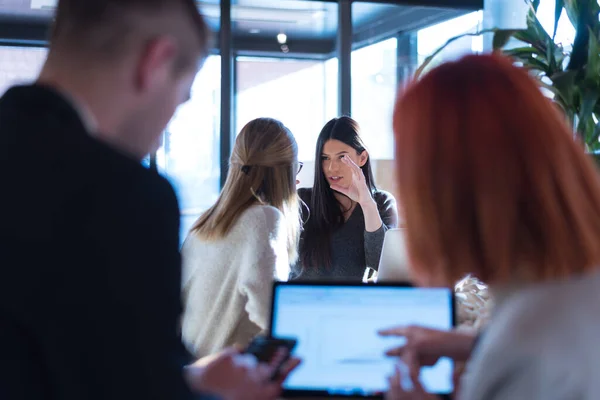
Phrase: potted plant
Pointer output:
(570, 74)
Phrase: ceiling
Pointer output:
(310, 22)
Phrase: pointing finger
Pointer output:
(393, 332)
(396, 352)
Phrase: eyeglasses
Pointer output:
(300, 165)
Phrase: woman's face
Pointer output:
(334, 169)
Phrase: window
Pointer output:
(373, 95)
(302, 94)
(189, 156)
(432, 38)
(20, 65)
(565, 32)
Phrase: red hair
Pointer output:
(490, 178)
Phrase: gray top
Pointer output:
(541, 343)
(353, 249)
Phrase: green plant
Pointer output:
(571, 73)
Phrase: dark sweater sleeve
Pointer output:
(388, 211)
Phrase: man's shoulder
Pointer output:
(128, 174)
(39, 125)
(130, 184)
(110, 175)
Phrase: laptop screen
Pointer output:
(336, 327)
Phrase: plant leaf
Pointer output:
(535, 34)
(593, 139)
(580, 46)
(501, 38)
(572, 11)
(535, 24)
(558, 8)
(533, 63)
(522, 51)
(430, 58)
(550, 51)
(587, 133)
(592, 70)
(588, 103)
(548, 87)
(558, 99)
(564, 83)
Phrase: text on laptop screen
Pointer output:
(336, 327)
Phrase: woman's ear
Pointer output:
(363, 158)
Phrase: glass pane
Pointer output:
(300, 93)
(287, 68)
(20, 65)
(373, 93)
(388, 40)
(433, 37)
(189, 156)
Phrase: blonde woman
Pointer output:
(243, 242)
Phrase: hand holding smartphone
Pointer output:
(266, 350)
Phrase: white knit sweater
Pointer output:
(227, 284)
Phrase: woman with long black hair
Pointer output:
(346, 217)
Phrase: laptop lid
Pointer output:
(336, 327)
(393, 264)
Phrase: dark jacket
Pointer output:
(89, 262)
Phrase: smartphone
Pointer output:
(264, 349)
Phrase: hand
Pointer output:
(283, 370)
(233, 376)
(358, 190)
(397, 392)
(425, 346)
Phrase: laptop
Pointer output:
(336, 327)
(393, 264)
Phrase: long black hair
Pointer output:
(326, 214)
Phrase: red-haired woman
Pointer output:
(492, 183)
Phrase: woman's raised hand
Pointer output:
(358, 190)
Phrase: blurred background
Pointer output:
(302, 62)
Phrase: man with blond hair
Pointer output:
(89, 247)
